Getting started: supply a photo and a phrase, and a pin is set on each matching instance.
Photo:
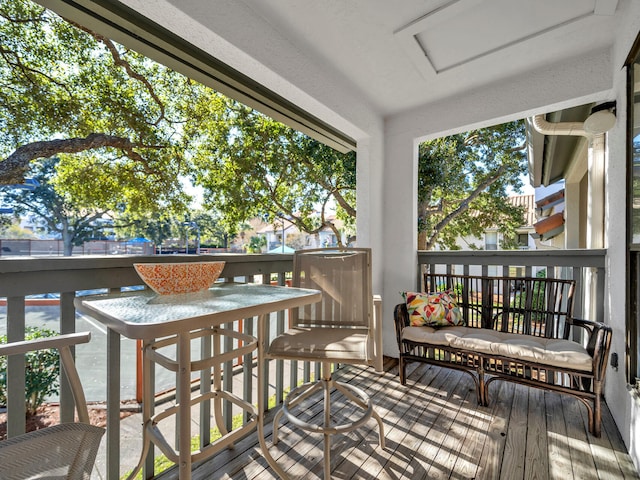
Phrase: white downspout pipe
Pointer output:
(544, 127)
(593, 129)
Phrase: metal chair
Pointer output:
(65, 451)
(343, 328)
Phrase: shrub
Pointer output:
(457, 288)
(42, 372)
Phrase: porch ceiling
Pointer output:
(400, 55)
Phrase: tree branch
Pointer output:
(464, 205)
(29, 72)
(15, 166)
(121, 62)
(343, 203)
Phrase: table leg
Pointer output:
(146, 454)
(217, 387)
(262, 384)
(184, 405)
(148, 407)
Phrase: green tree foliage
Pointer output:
(156, 228)
(252, 166)
(463, 181)
(211, 229)
(107, 112)
(57, 210)
(256, 244)
(41, 375)
(124, 126)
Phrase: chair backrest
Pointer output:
(66, 451)
(344, 277)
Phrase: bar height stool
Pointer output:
(342, 328)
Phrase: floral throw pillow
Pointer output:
(437, 309)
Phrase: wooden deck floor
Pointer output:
(435, 429)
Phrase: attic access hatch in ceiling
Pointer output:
(462, 31)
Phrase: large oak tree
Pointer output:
(108, 113)
(464, 181)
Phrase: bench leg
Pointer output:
(482, 389)
(402, 370)
(596, 421)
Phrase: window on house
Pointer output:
(522, 240)
(491, 241)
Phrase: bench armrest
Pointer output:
(401, 319)
(598, 343)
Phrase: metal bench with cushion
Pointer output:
(519, 329)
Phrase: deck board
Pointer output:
(435, 429)
(536, 466)
(513, 463)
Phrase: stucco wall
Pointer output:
(572, 83)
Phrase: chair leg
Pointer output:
(364, 406)
(276, 425)
(596, 421)
(327, 384)
(380, 429)
(296, 396)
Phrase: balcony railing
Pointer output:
(20, 278)
(586, 267)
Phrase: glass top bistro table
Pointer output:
(177, 319)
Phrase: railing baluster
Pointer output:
(16, 408)
(600, 286)
(67, 325)
(266, 279)
(227, 378)
(205, 387)
(149, 407)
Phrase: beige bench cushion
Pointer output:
(322, 343)
(547, 351)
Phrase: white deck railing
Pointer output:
(21, 277)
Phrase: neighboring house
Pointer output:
(549, 229)
(493, 239)
(283, 231)
(569, 145)
(277, 232)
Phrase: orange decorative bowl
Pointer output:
(174, 278)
